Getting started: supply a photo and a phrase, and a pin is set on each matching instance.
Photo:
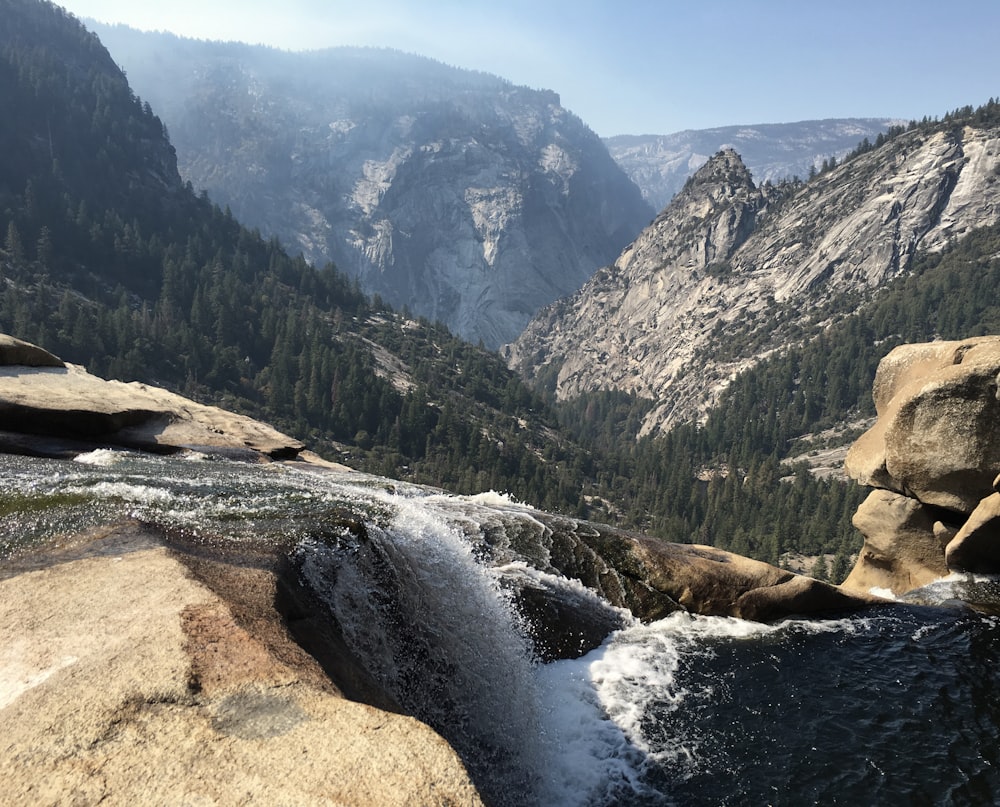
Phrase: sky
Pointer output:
(646, 66)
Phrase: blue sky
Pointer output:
(645, 67)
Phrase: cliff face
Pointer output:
(730, 272)
(467, 199)
(660, 164)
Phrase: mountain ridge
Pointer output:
(459, 195)
(660, 164)
(646, 325)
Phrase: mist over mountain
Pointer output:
(660, 164)
(456, 194)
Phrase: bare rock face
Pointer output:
(123, 680)
(901, 550)
(934, 453)
(936, 438)
(731, 272)
(659, 164)
(467, 199)
(47, 399)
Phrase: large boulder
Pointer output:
(653, 578)
(65, 409)
(937, 437)
(710, 581)
(934, 453)
(902, 551)
(976, 547)
(125, 680)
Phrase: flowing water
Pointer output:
(893, 706)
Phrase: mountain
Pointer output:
(660, 164)
(730, 273)
(111, 261)
(456, 194)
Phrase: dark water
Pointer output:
(897, 705)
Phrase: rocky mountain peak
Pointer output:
(729, 272)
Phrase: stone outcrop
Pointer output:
(936, 437)
(123, 679)
(730, 271)
(933, 454)
(653, 578)
(49, 408)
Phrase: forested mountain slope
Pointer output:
(111, 261)
(731, 272)
(456, 194)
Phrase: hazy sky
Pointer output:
(647, 66)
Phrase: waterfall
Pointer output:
(438, 630)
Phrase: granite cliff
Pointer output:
(730, 272)
(465, 198)
(660, 164)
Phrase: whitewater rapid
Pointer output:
(686, 710)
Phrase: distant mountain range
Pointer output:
(458, 195)
(660, 164)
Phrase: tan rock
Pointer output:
(14, 351)
(901, 551)
(125, 681)
(711, 581)
(976, 547)
(936, 437)
(67, 401)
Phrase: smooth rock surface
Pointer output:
(976, 547)
(902, 549)
(936, 438)
(125, 681)
(710, 581)
(65, 401)
(17, 352)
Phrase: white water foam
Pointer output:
(101, 457)
(597, 706)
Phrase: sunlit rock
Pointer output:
(902, 550)
(55, 403)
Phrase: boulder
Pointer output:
(976, 547)
(936, 437)
(123, 679)
(653, 578)
(903, 546)
(710, 581)
(15, 352)
(67, 403)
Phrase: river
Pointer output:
(897, 705)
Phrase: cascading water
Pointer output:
(899, 705)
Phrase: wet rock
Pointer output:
(125, 680)
(710, 581)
